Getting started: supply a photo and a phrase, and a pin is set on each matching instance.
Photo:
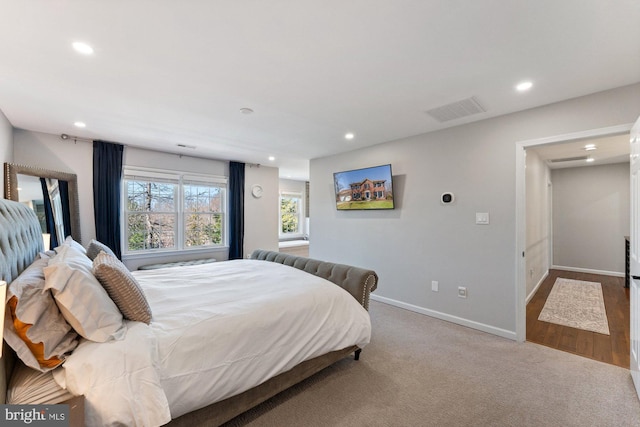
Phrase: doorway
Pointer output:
(612, 348)
(521, 224)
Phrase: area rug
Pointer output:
(577, 304)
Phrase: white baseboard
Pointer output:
(447, 317)
(535, 289)
(588, 270)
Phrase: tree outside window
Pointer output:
(290, 214)
(151, 215)
(203, 215)
(173, 214)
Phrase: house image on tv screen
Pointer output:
(369, 188)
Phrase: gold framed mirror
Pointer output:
(12, 181)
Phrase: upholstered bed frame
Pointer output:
(21, 240)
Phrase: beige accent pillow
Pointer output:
(82, 300)
(95, 247)
(43, 337)
(122, 287)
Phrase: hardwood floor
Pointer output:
(613, 349)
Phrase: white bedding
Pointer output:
(217, 330)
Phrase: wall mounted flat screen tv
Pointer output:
(367, 188)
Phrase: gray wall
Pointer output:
(538, 212)
(261, 215)
(422, 240)
(50, 152)
(6, 144)
(591, 217)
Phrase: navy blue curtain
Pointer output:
(48, 215)
(107, 179)
(63, 187)
(236, 210)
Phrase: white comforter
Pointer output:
(217, 330)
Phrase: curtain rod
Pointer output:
(67, 137)
(74, 138)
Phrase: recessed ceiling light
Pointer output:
(271, 158)
(590, 159)
(80, 124)
(349, 136)
(246, 110)
(82, 48)
(524, 86)
(590, 147)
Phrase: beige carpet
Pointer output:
(577, 304)
(420, 371)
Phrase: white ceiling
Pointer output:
(168, 72)
(610, 149)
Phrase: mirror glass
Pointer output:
(52, 195)
(43, 196)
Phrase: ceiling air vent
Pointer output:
(568, 159)
(457, 110)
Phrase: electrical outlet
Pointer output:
(531, 272)
(434, 285)
(462, 292)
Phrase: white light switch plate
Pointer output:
(482, 218)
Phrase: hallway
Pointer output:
(612, 349)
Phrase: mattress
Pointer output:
(217, 330)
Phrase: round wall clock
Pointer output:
(256, 191)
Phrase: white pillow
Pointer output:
(70, 242)
(82, 300)
(34, 326)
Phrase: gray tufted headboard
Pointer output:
(20, 242)
(20, 238)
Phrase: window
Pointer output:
(203, 214)
(290, 214)
(169, 211)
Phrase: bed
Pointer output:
(220, 342)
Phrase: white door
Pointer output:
(634, 255)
